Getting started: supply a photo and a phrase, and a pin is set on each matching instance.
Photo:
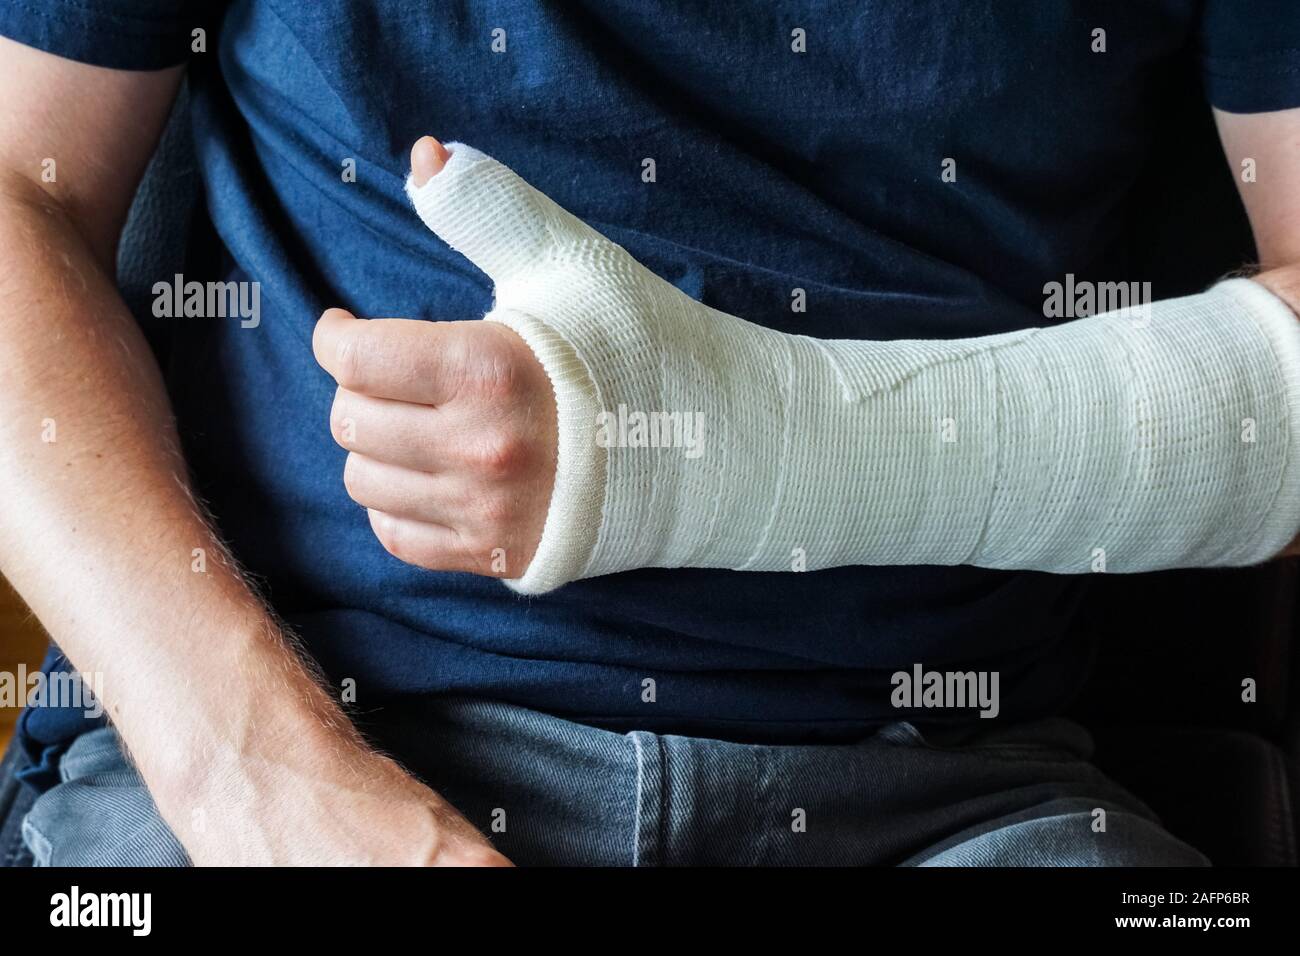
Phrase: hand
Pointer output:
(451, 430)
(344, 806)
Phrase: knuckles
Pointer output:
(499, 453)
(502, 373)
(347, 362)
(342, 424)
(390, 536)
(481, 365)
(353, 479)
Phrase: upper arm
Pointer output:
(81, 134)
(1250, 68)
(1263, 150)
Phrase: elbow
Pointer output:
(31, 206)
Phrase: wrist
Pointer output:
(573, 517)
(254, 716)
(1283, 282)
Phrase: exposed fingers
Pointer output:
(487, 213)
(451, 429)
(475, 440)
(401, 433)
(485, 517)
(428, 156)
(403, 359)
(430, 545)
(406, 493)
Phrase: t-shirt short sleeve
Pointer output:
(1250, 54)
(120, 34)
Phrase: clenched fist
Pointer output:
(450, 428)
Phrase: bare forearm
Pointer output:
(98, 529)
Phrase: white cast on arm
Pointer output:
(1159, 439)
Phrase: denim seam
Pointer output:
(1281, 828)
(37, 843)
(648, 800)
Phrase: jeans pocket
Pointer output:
(101, 815)
(903, 733)
(94, 752)
(1049, 740)
(36, 842)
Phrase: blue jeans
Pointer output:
(562, 793)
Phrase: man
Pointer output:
(834, 180)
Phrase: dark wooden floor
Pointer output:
(22, 641)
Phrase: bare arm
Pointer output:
(97, 527)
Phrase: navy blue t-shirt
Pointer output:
(776, 170)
